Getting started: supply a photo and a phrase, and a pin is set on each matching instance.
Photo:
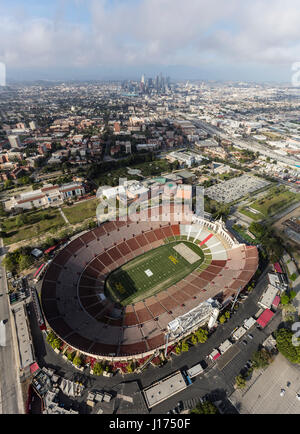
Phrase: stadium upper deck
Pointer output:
(78, 311)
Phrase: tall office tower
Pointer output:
(14, 141)
(161, 81)
(143, 79)
(157, 82)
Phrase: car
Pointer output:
(250, 336)
(282, 393)
(180, 405)
(298, 396)
(245, 342)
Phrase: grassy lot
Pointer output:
(130, 283)
(38, 223)
(81, 211)
(255, 217)
(277, 199)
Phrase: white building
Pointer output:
(225, 346)
(50, 195)
(250, 322)
(184, 157)
(14, 141)
(268, 296)
(237, 334)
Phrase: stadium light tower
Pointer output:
(167, 341)
(235, 299)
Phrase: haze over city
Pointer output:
(197, 39)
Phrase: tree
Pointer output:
(97, 368)
(130, 368)
(77, 361)
(261, 358)
(285, 345)
(240, 382)
(178, 349)
(222, 319)
(227, 314)
(53, 340)
(194, 339)
(25, 262)
(21, 220)
(202, 335)
(70, 356)
(8, 183)
(284, 299)
(184, 346)
(9, 263)
(56, 343)
(3, 213)
(257, 229)
(206, 407)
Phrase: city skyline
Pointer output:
(101, 40)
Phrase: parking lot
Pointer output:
(235, 188)
(265, 397)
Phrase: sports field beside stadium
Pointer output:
(153, 272)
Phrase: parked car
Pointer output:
(282, 393)
(245, 342)
(250, 336)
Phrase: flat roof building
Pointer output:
(239, 333)
(248, 323)
(265, 318)
(195, 370)
(268, 297)
(164, 389)
(225, 346)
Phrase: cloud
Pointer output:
(137, 33)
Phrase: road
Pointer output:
(10, 389)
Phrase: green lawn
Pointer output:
(277, 199)
(81, 211)
(250, 214)
(130, 283)
(38, 223)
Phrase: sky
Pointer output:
(238, 40)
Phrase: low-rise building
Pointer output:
(50, 195)
(225, 346)
(237, 334)
(268, 297)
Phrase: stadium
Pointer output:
(128, 288)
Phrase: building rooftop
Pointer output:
(163, 389)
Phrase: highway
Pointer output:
(10, 388)
(253, 146)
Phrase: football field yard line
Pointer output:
(166, 265)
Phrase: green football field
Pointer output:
(150, 273)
